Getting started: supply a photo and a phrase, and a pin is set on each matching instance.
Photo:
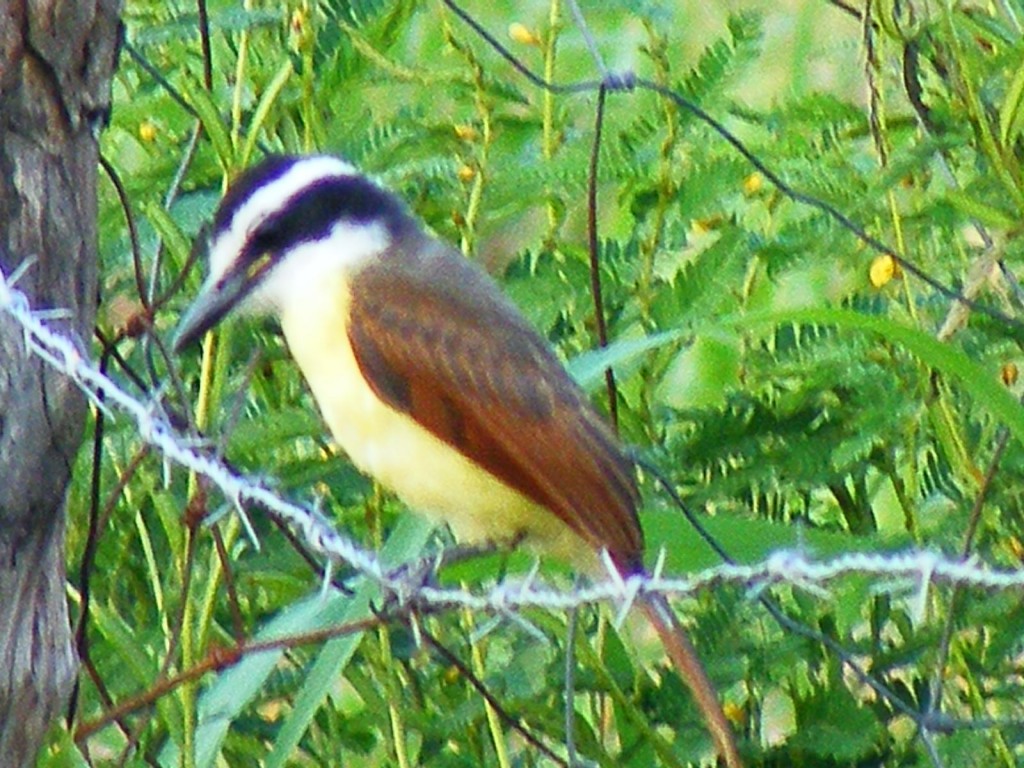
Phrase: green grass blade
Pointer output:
(236, 687)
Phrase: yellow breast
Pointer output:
(429, 475)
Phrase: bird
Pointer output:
(430, 379)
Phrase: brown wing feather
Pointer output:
(437, 340)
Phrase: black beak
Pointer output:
(215, 300)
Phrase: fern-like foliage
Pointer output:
(779, 432)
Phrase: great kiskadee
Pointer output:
(429, 378)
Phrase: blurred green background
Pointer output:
(793, 384)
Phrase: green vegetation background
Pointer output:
(798, 392)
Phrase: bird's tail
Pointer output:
(686, 661)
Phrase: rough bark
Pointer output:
(56, 62)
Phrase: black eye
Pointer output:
(266, 238)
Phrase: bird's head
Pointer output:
(282, 223)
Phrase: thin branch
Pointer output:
(595, 258)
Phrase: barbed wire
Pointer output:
(914, 571)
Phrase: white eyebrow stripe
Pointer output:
(268, 199)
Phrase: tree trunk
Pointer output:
(56, 62)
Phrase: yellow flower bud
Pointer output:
(1009, 374)
(707, 224)
(753, 184)
(466, 173)
(522, 35)
(1016, 547)
(466, 132)
(883, 269)
(147, 131)
(734, 712)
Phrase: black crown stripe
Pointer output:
(313, 211)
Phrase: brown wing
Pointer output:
(437, 340)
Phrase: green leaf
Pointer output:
(214, 125)
(178, 245)
(235, 688)
(982, 384)
(588, 369)
(1011, 114)
(746, 540)
(263, 110)
(702, 373)
(836, 727)
(404, 545)
(64, 753)
(983, 212)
